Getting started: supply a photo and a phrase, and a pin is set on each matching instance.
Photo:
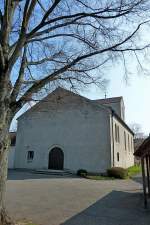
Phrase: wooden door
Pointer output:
(56, 159)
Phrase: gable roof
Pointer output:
(60, 91)
(95, 103)
(108, 100)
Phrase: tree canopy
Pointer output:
(47, 42)
(66, 42)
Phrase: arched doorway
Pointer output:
(56, 159)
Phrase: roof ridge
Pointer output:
(109, 98)
(69, 91)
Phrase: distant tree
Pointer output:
(137, 129)
(48, 42)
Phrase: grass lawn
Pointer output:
(133, 170)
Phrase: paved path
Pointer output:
(73, 201)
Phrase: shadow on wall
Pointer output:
(117, 208)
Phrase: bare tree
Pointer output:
(47, 42)
(137, 129)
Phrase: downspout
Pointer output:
(112, 124)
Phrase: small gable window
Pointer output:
(30, 156)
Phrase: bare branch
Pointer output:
(40, 4)
(84, 31)
(83, 39)
(55, 75)
(2, 59)
(18, 82)
(43, 23)
(28, 9)
(46, 43)
(79, 16)
(6, 22)
(1, 18)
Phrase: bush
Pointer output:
(117, 172)
(82, 173)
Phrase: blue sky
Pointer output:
(136, 95)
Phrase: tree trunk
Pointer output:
(4, 148)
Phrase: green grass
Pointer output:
(133, 170)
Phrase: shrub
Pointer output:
(117, 172)
(82, 173)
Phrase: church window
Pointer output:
(117, 135)
(125, 143)
(30, 155)
(116, 132)
(128, 142)
(118, 156)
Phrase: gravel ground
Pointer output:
(52, 200)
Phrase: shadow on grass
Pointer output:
(116, 208)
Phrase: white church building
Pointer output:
(68, 131)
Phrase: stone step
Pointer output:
(54, 172)
(48, 172)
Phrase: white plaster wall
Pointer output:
(126, 155)
(82, 131)
(118, 107)
(11, 157)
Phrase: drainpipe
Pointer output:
(112, 124)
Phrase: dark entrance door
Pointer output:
(56, 159)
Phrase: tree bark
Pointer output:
(4, 148)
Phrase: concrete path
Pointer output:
(48, 200)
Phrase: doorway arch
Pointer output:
(56, 159)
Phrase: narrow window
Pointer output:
(116, 132)
(131, 145)
(30, 155)
(118, 156)
(118, 135)
(128, 143)
(125, 143)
